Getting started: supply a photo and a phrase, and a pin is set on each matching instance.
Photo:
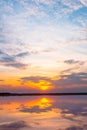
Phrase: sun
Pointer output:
(44, 85)
(44, 88)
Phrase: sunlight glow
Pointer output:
(44, 103)
(44, 85)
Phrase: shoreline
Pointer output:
(41, 94)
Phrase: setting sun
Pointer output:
(44, 85)
(44, 88)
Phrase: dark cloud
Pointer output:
(35, 78)
(69, 70)
(74, 82)
(74, 110)
(14, 125)
(2, 54)
(82, 74)
(34, 109)
(72, 61)
(74, 128)
(84, 127)
(8, 60)
(17, 65)
(1, 80)
(72, 79)
(23, 54)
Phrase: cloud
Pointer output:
(8, 60)
(74, 128)
(37, 82)
(72, 79)
(16, 65)
(35, 78)
(21, 26)
(1, 80)
(74, 82)
(34, 109)
(76, 110)
(32, 26)
(84, 2)
(72, 61)
(23, 54)
(75, 5)
(69, 70)
(14, 125)
(46, 2)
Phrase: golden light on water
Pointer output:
(45, 102)
(42, 103)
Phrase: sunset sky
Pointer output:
(43, 45)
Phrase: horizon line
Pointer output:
(40, 94)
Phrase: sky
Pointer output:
(43, 46)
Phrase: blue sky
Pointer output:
(45, 38)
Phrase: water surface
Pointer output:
(43, 113)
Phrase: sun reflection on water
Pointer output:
(40, 112)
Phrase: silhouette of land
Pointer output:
(41, 94)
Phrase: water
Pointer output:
(43, 113)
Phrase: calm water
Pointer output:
(43, 113)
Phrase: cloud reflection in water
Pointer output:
(39, 113)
